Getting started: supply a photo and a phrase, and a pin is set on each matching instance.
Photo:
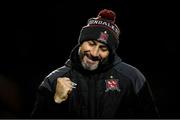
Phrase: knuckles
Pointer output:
(62, 79)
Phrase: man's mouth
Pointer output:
(90, 61)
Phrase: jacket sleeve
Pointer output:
(145, 105)
(45, 107)
(140, 100)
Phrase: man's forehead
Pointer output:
(98, 42)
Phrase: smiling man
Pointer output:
(95, 82)
(92, 53)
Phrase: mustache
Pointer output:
(94, 58)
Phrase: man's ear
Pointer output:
(79, 50)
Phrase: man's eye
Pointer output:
(104, 49)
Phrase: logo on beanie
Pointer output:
(108, 24)
(103, 36)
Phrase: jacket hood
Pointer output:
(75, 62)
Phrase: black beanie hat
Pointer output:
(103, 29)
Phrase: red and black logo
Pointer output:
(103, 36)
(112, 84)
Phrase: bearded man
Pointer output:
(95, 82)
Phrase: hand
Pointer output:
(64, 87)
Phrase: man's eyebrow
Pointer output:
(93, 41)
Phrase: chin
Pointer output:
(89, 67)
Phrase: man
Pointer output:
(94, 82)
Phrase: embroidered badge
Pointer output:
(112, 84)
(103, 36)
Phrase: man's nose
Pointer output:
(95, 52)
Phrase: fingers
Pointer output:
(73, 85)
(65, 85)
(68, 90)
(67, 82)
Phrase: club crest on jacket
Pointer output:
(112, 85)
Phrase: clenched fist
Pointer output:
(64, 87)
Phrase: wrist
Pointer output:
(57, 99)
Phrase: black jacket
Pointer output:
(114, 90)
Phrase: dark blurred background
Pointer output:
(37, 37)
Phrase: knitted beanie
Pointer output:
(103, 29)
